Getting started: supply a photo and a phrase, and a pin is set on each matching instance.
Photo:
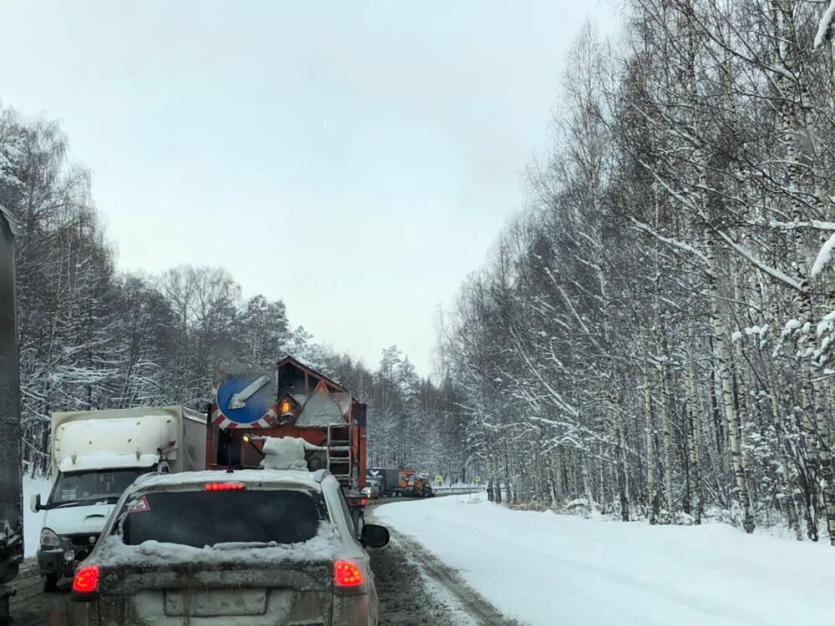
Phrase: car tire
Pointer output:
(50, 582)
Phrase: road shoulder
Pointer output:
(416, 588)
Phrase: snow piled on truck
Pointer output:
(104, 459)
(546, 569)
(286, 453)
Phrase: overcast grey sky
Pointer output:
(380, 146)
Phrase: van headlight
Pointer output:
(49, 539)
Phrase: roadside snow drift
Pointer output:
(33, 522)
(551, 569)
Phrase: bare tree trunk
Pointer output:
(696, 493)
(791, 497)
(721, 337)
(587, 488)
(623, 475)
(510, 495)
(649, 434)
(667, 441)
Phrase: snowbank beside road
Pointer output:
(33, 522)
(550, 569)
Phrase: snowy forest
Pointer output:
(92, 337)
(652, 336)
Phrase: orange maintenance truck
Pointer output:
(292, 401)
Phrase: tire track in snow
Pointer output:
(476, 610)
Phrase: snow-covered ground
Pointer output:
(548, 569)
(32, 522)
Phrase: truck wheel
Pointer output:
(50, 582)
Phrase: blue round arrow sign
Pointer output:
(245, 400)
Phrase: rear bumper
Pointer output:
(84, 614)
(358, 610)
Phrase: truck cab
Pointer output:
(96, 456)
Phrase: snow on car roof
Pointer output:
(297, 477)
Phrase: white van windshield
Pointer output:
(92, 486)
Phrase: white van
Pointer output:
(96, 455)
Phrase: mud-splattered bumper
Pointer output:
(58, 562)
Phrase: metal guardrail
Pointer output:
(449, 491)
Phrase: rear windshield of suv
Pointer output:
(206, 518)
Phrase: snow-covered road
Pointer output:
(550, 569)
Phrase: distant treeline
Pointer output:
(93, 337)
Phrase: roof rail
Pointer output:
(320, 474)
(143, 477)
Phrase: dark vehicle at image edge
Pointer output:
(11, 515)
(250, 547)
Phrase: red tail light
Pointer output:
(224, 487)
(347, 575)
(86, 580)
(363, 501)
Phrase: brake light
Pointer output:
(347, 575)
(363, 501)
(224, 487)
(86, 580)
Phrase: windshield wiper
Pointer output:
(238, 545)
(59, 505)
(101, 499)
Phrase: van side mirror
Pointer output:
(35, 503)
(375, 536)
